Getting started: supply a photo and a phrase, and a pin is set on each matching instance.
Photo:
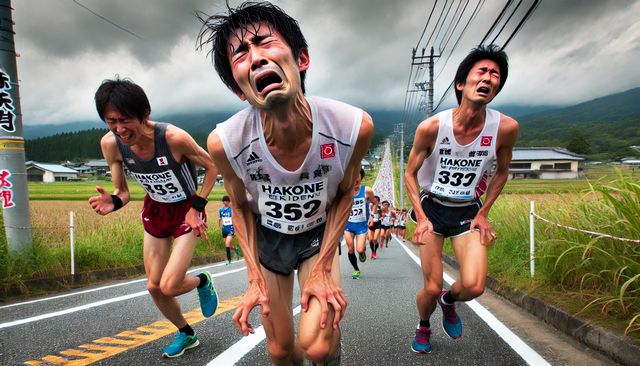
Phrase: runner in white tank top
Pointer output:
(289, 164)
(451, 161)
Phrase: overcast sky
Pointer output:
(568, 52)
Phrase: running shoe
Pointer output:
(228, 263)
(363, 256)
(451, 322)
(208, 296)
(422, 342)
(355, 275)
(374, 255)
(181, 343)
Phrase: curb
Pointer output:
(604, 341)
(40, 286)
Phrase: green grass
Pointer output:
(82, 190)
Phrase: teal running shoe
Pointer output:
(181, 343)
(451, 322)
(422, 342)
(355, 275)
(208, 297)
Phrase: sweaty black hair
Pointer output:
(482, 52)
(125, 96)
(218, 29)
(226, 199)
(361, 173)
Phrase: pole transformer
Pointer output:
(14, 193)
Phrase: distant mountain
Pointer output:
(604, 127)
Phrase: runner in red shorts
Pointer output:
(162, 158)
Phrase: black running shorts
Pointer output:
(450, 219)
(282, 253)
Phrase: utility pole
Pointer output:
(14, 193)
(402, 165)
(425, 86)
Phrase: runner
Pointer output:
(357, 224)
(451, 159)
(289, 163)
(388, 217)
(402, 223)
(163, 159)
(225, 225)
(375, 228)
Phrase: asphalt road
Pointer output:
(118, 324)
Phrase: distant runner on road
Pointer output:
(355, 234)
(451, 160)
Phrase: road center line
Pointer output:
(528, 354)
(92, 305)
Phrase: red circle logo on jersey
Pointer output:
(327, 151)
(486, 140)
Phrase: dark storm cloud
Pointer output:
(62, 28)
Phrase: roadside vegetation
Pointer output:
(101, 242)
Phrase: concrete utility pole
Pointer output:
(14, 193)
(425, 86)
(402, 165)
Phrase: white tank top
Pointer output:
(460, 172)
(292, 202)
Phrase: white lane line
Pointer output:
(92, 305)
(101, 288)
(527, 353)
(240, 349)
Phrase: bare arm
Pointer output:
(319, 283)
(244, 223)
(507, 135)
(184, 147)
(103, 203)
(423, 144)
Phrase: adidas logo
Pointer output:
(445, 141)
(253, 158)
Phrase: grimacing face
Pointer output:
(482, 83)
(264, 67)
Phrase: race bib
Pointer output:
(162, 187)
(293, 209)
(457, 178)
(226, 221)
(358, 213)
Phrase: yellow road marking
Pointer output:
(106, 347)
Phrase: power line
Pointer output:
(107, 20)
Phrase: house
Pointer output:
(41, 172)
(631, 162)
(96, 167)
(366, 165)
(544, 163)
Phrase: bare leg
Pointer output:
(317, 343)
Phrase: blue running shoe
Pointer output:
(451, 322)
(208, 297)
(355, 275)
(181, 343)
(422, 342)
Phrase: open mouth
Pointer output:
(483, 90)
(267, 81)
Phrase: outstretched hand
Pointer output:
(321, 286)
(102, 203)
(257, 294)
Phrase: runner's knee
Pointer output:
(318, 350)
(154, 288)
(279, 352)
